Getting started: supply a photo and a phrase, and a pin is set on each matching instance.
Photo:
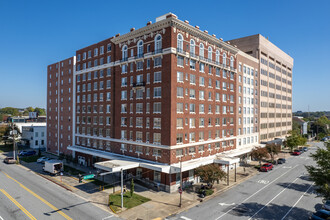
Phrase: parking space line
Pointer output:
(255, 193)
(40, 198)
(273, 199)
(18, 205)
(298, 201)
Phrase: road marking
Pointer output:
(18, 205)
(273, 198)
(222, 204)
(40, 198)
(263, 181)
(298, 200)
(185, 218)
(286, 167)
(107, 217)
(1, 218)
(254, 193)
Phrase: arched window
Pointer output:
(209, 55)
(124, 52)
(140, 48)
(201, 50)
(231, 61)
(192, 47)
(224, 59)
(180, 42)
(217, 56)
(158, 43)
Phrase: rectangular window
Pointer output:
(157, 77)
(157, 92)
(157, 107)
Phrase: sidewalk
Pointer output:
(167, 204)
(162, 204)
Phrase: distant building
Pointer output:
(302, 123)
(34, 136)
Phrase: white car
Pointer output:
(42, 159)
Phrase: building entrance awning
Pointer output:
(116, 165)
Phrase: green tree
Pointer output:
(259, 153)
(9, 111)
(132, 187)
(40, 111)
(273, 149)
(210, 173)
(320, 173)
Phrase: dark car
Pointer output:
(9, 160)
(27, 153)
(320, 215)
(266, 167)
(281, 160)
(296, 152)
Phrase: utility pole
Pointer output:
(180, 191)
(122, 191)
(14, 148)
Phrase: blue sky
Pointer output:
(34, 34)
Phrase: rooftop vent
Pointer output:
(149, 23)
(220, 39)
(132, 29)
(206, 31)
(213, 35)
(197, 27)
(117, 35)
(186, 21)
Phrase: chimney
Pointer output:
(132, 29)
(197, 27)
(186, 21)
(149, 23)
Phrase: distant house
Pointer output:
(34, 136)
(302, 123)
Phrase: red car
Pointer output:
(296, 152)
(266, 167)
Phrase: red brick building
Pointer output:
(149, 99)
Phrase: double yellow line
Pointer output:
(18, 205)
(40, 198)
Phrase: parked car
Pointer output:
(266, 167)
(305, 149)
(42, 159)
(9, 160)
(281, 160)
(321, 215)
(27, 153)
(324, 139)
(296, 152)
(326, 205)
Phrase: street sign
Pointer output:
(90, 176)
(180, 190)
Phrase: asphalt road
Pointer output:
(25, 195)
(283, 193)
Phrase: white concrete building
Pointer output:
(34, 136)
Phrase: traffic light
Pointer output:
(80, 178)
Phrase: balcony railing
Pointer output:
(158, 51)
(139, 84)
(124, 59)
(139, 55)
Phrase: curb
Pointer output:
(54, 181)
(211, 196)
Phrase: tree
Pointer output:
(294, 140)
(40, 111)
(132, 187)
(259, 153)
(273, 149)
(9, 111)
(320, 174)
(210, 173)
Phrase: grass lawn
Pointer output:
(29, 159)
(129, 202)
(72, 171)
